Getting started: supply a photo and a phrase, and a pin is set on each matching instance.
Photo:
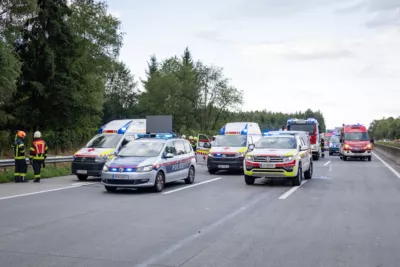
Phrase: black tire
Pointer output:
(308, 174)
(212, 171)
(159, 182)
(369, 158)
(330, 153)
(344, 158)
(82, 177)
(296, 181)
(249, 180)
(191, 175)
(111, 189)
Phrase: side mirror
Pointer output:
(251, 147)
(207, 145)
(169, 155)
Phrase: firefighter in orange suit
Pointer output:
(38, 155)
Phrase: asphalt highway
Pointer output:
(347, 215)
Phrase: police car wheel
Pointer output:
(191, 175)
(82, 177)
(159, 183)
(111, 188)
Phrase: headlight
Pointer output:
(145, 168)
(250, 157)
(241, 154)
(288, 159)
(210, 155)
(346, 146)
(105, 168)
(368, 146)
(101, 159)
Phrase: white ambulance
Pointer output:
(228, 149)
(89, 160)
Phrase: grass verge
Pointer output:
(48, 172)
(391, 144)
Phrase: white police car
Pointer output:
(150, 161)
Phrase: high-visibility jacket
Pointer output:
(19, 149)
(38, 150)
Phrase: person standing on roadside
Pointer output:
(19, 157)
(37, 155)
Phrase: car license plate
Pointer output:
(121, 177)
(81, 171)
(223, 166)
(268, 166)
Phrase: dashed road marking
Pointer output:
(327, 163)
(189, 186)
(292, 190)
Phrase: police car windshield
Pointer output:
(303, 127)
(141, 149)
(356, 137)
(280, 142)
(230, 141)
(105, 141)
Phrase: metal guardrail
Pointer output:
(59, 159)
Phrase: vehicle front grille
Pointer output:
(271, 159)
(84, 159)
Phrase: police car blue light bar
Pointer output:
(158, 135)
(123, 129)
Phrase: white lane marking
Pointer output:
(323, 178)
(157, 257)
(327, 163)
(44, 191)
(83, 183)
(193, 185)
(291, 191)
(330, 168)
(387, 165)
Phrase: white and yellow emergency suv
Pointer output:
(89, 160)
(228, 149)
(279, 156)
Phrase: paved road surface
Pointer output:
(347, 215)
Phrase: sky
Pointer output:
(339, 56)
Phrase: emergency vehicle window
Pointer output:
(356, 137)
(105, 141)
(203, 139)
(310, 128)
(256, 139)
(188, 147)
(278, 142)
(141, 149)
(230, 141)
(124, 142)
(179, 147)
(170, 148)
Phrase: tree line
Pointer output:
(60, 73)
(385, 128)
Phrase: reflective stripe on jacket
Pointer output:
(38, 150)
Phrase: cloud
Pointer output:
(213, 36)
(303, 50)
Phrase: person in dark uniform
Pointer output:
(322, 147)
(37, 155)
(19, 157)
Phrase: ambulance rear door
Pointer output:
(202, 149)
